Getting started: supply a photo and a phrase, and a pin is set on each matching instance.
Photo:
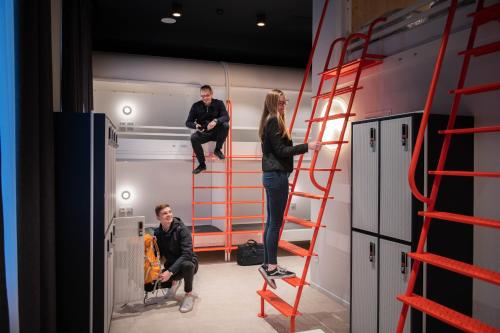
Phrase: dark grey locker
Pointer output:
(364, 277)
(394, 274)
(395, 194)
(365, 176)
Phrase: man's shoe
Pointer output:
(280, 273)
(219, 154)
(200, 168)
(187, 304)
(173, 290)
(269, 281)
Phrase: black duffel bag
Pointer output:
(250, 253)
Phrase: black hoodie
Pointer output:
(175, 245)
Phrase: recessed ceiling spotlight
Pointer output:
(168, 20)
(261, 20)
(176, 10)
(219, 11)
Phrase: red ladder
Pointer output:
(342, 70)
(481, 16)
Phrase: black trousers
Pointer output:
(217, 134)
(187, 272)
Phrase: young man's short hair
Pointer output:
(207, 87)
(160, 207)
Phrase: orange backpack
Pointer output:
(152, 264)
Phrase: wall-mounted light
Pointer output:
(176, 9)
(261, 20)
(127, 110)
(334, 127)
(126, 195)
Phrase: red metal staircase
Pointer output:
(481, 16)
(345, 71)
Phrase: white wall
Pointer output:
(400, 85)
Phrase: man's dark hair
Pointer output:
(207, 87)
(159, 208)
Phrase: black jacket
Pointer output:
(278, 152)
(175, 245)
(203, 114)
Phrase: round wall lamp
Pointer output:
(127, 110)
(334, 127)
(126, 195)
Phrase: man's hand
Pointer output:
(165, 276)
(199, 128)
(211, 124)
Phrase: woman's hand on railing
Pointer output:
(314, 145)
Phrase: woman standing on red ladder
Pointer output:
(277, 164)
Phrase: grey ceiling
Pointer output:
(129, 26)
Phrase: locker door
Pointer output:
(364, 283)
(395, 195)
(394, 273)
(365, 176)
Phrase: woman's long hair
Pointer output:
(271, 110)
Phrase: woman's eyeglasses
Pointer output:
(285, 102)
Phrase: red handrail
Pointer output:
(428, 105)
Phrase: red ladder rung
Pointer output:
(338, 92)
(297, 250)
(457, 267)
(481, 221)
(318, 169)
(309, 195)
(208, 218)
(243, 217)
(227, 202)
(466, 173)
(295, 282)
(279, 304)
(221, 187)
(324, 143)
(240, 171)
(335, 116)
(350, 67)
(482, 50)
(447, 315)
(243, 232)
(477, 89)
(486, 14)
(210, 248)
(300, 221)
(471, 130)
(209, 233)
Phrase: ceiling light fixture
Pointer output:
(168, 20)
(176, 10)
(261, 20)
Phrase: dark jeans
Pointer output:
(276, 185)
(217, 134)
(187, 272)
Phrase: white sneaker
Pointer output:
(187, 304)
(173, 290)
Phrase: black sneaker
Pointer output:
(199, 169)
(280, 273)
(219, 154)
(270, 282)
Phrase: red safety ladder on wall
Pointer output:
(345, 71)
(481, 16)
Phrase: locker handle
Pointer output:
(140, 228)
(404, 262)
(107, 244)
(404, 136)
(373, 136)
(372, 251)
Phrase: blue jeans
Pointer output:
(276, 185)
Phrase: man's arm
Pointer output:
(186, 250)
(222, 115)
(191, 121)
